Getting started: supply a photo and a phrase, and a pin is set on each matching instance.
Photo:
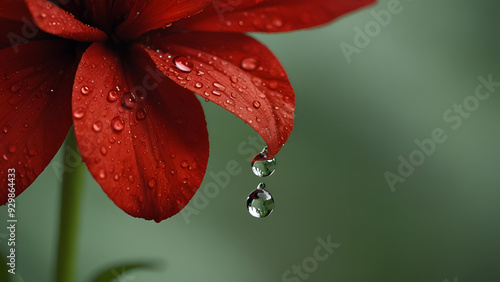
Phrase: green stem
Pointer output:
(72, 188)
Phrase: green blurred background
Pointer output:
(353, 121)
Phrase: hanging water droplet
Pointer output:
(112, 96)
(260, 202)
(249, 64)
(184, 64)
(129, 100)
(117, 123)
(262, 166)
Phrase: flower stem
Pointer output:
(72, 188)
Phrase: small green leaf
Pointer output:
(118, 273)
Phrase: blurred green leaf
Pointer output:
(119, 273)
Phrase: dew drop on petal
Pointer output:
(117, 123)
(97, 126)
(12, 148)
(260, 202)
(102, 174)
(6, 129)
(262, 166)
(85, 90)
(152, 183)
(219, 86)
(183, 64)
(104, 150)
(198, 85)
(249, 64)
(141, 114)
(184, 164)
(256, 104)
(128, 100)
(112, 96)
(78, 113)
(14, 88)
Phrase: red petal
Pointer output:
(156, 14)
(35, 112)
(269, 16)
(17, 24)
(149, 159)
(234, 71)
(54, 20)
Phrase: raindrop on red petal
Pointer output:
(141, 114)
(128, 100)
(79, 113)
(184, 164)
(97, 126)
(85, 90)
(112, 96)
(117, 123)
(102, 174)
(256, 104)
(249, 64)
(184, 64)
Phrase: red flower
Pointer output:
(124, 76)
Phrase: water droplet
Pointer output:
(184, 64)
(219, 86)
(260, 202)
(112, 96)
(249, 64)
(152, 183)
(32, 152)
(198, 85)
(79, 113)
(184, 164)
(141, 114)
(117, 123)
(102, 174)
(116, 177)
(262, 166)
(12, 148)
(131, 178)
(97, 126)
(104, 150)
(15, 88)
(85, 90)
(256, 104)
(129, 100)
(6, 129)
